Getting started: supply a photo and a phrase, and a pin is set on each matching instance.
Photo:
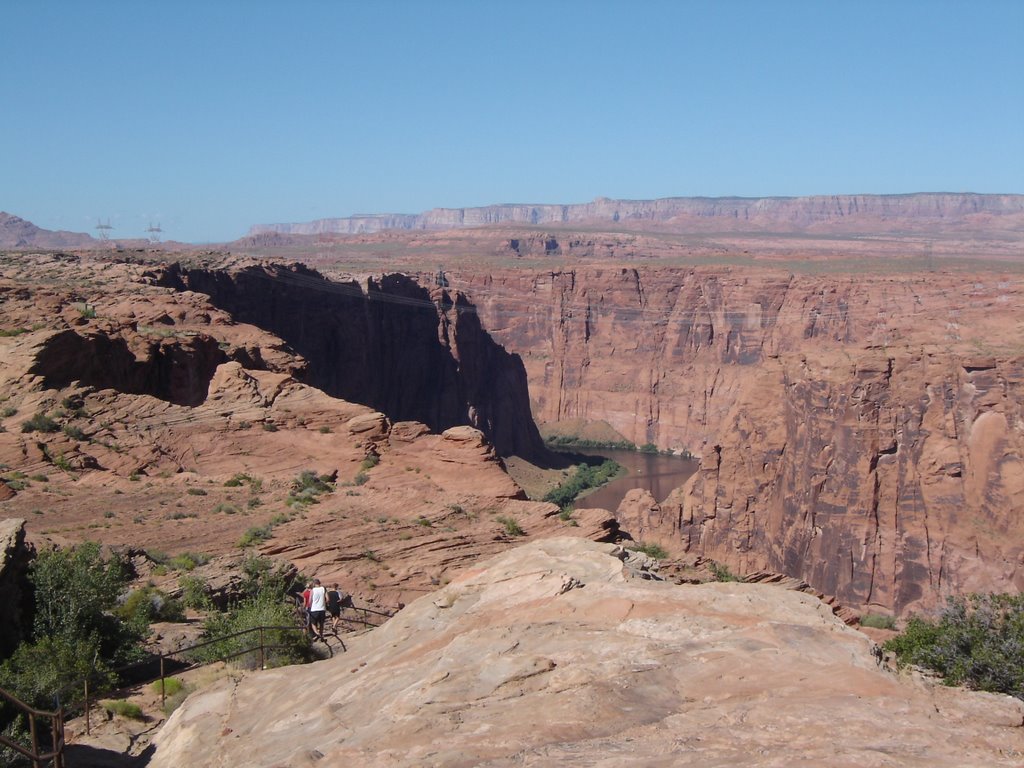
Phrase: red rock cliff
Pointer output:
(862, 433)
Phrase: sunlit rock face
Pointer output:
(862, 432)
(552, 654)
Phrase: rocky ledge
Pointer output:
(550, 654)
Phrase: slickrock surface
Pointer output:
(549, 655)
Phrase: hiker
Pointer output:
(318, 609)
(305, 606)
(335, 599)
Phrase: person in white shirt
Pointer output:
(318, 608)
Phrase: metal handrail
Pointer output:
(56, 753)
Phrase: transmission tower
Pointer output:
(103, 228)
(154, 232)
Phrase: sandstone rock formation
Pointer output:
(549, 655)
(861, 432)
(145, 417)
(850, 212)
(15, 556)
(393, 346)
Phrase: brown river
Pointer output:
(657, 473)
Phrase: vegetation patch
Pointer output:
(977, 641)
(584, 477)
(124, 708)
(722, 572)
(512, 527)
(878, 621)
(40, 422)
(650, 549)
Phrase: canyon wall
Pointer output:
(861, 432)
(391, 344)
(686, 213)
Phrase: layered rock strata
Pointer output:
(861, 432)
(392, 345)
(696, 213)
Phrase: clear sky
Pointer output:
(211, 116)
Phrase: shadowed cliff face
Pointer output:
(396, 347)
(178, 371)
(850, 431)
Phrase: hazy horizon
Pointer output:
(209, 119)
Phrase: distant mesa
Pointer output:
(16, 232)
(824, 213)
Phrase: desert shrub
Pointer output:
(977, 641)
(194, 593)
(361, 478)
(196, 492)
(188, 561)
(269, 426)
(75, 433)
(142, 606)
(123, 708)
(264, 586)
(572, 441)
(255, 535)
(648, 448)
(40, 423)
(237, 480)
(371, 461)
(8, 411)
(722, 572)
(878, 621)
(169, 686)
(38, 478)
(512, 527)
(325, 430)
(307, 486)
(650, 549)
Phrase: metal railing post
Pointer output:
(35, 740)
(263, 657)
(163, 684)
(58, 738)
(87, 731)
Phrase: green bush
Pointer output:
(878, 621)
(123, 708)
(255, 535)
(194, 593)
(651, 550)
(40, 423)
(169, 686)
(75, 433)
(512, 527)
(722, 572)
(977, 641)
(188, 561)
(76, 631)
(142, 606)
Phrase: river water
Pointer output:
(657, 473)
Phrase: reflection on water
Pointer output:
(658, 474)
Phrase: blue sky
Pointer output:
(211, 116)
